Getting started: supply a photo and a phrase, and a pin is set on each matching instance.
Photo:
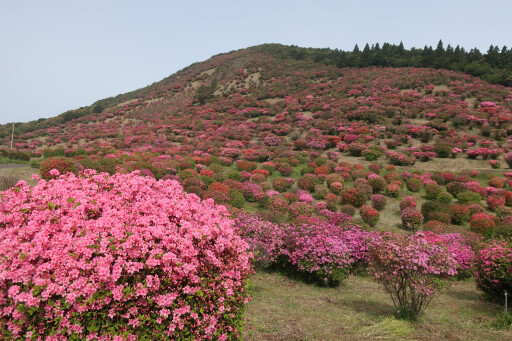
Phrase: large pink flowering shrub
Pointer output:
(103, 257)
(411, 269)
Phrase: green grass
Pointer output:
(285, 309)
(6, 160)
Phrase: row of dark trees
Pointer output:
(494, 66)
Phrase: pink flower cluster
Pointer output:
(100, 256)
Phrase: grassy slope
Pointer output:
(284, 309)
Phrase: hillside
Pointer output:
(296, 146)
(244, 91)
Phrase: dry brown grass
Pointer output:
(13, 175)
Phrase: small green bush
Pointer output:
(468, 197)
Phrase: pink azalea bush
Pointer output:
(458, 246)
(493, 269)
(411, 269)
(104, 257)
(411, 218)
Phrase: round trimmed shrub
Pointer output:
(320, 192)
(432, 190)
(492, 269)
(468, 197)
(300, 209)
(411, 219)
(495, 201)
(378, 184)
(348, 210)
(444, 198)
(414, 185)
(393, 190)
(107, 257)
(378, 201)
(455, 187)
(369, 215)
(337, 187)
(459, 214)
(432, 209)
(408, 201)
(308, 182)
(353, 196)
(482, 223)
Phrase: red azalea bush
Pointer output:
(411, 218)
(495, 201)
(369, 215)
(352, 196)
(411, 269)
(482, 223)
(337, 187)
(62, 165)
(408, 201)
(459, 213)
(100, 257)
(493, 269)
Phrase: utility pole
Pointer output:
(12, 134)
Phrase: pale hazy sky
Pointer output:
(61, 55)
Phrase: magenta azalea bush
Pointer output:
(458, 246)
(118, 257)
(322, 252)
(412, 270)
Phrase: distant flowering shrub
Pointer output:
(508, 159)
(482, 223)
(432, 190)
(106, 257)
(352, 196)
(337, 188)
(459, 214)
(62, 166)
(493, 269)
(411, 280)
(369, 215)
(414, 185)
(393, 190)
(411, 218)
(495, 201)
(408, 201)
(400, 159)
(300, 209)
(378, 201)
(271, 140)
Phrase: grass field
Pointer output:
(285, 309)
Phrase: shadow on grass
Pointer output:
(465, 295)
(369, 307)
